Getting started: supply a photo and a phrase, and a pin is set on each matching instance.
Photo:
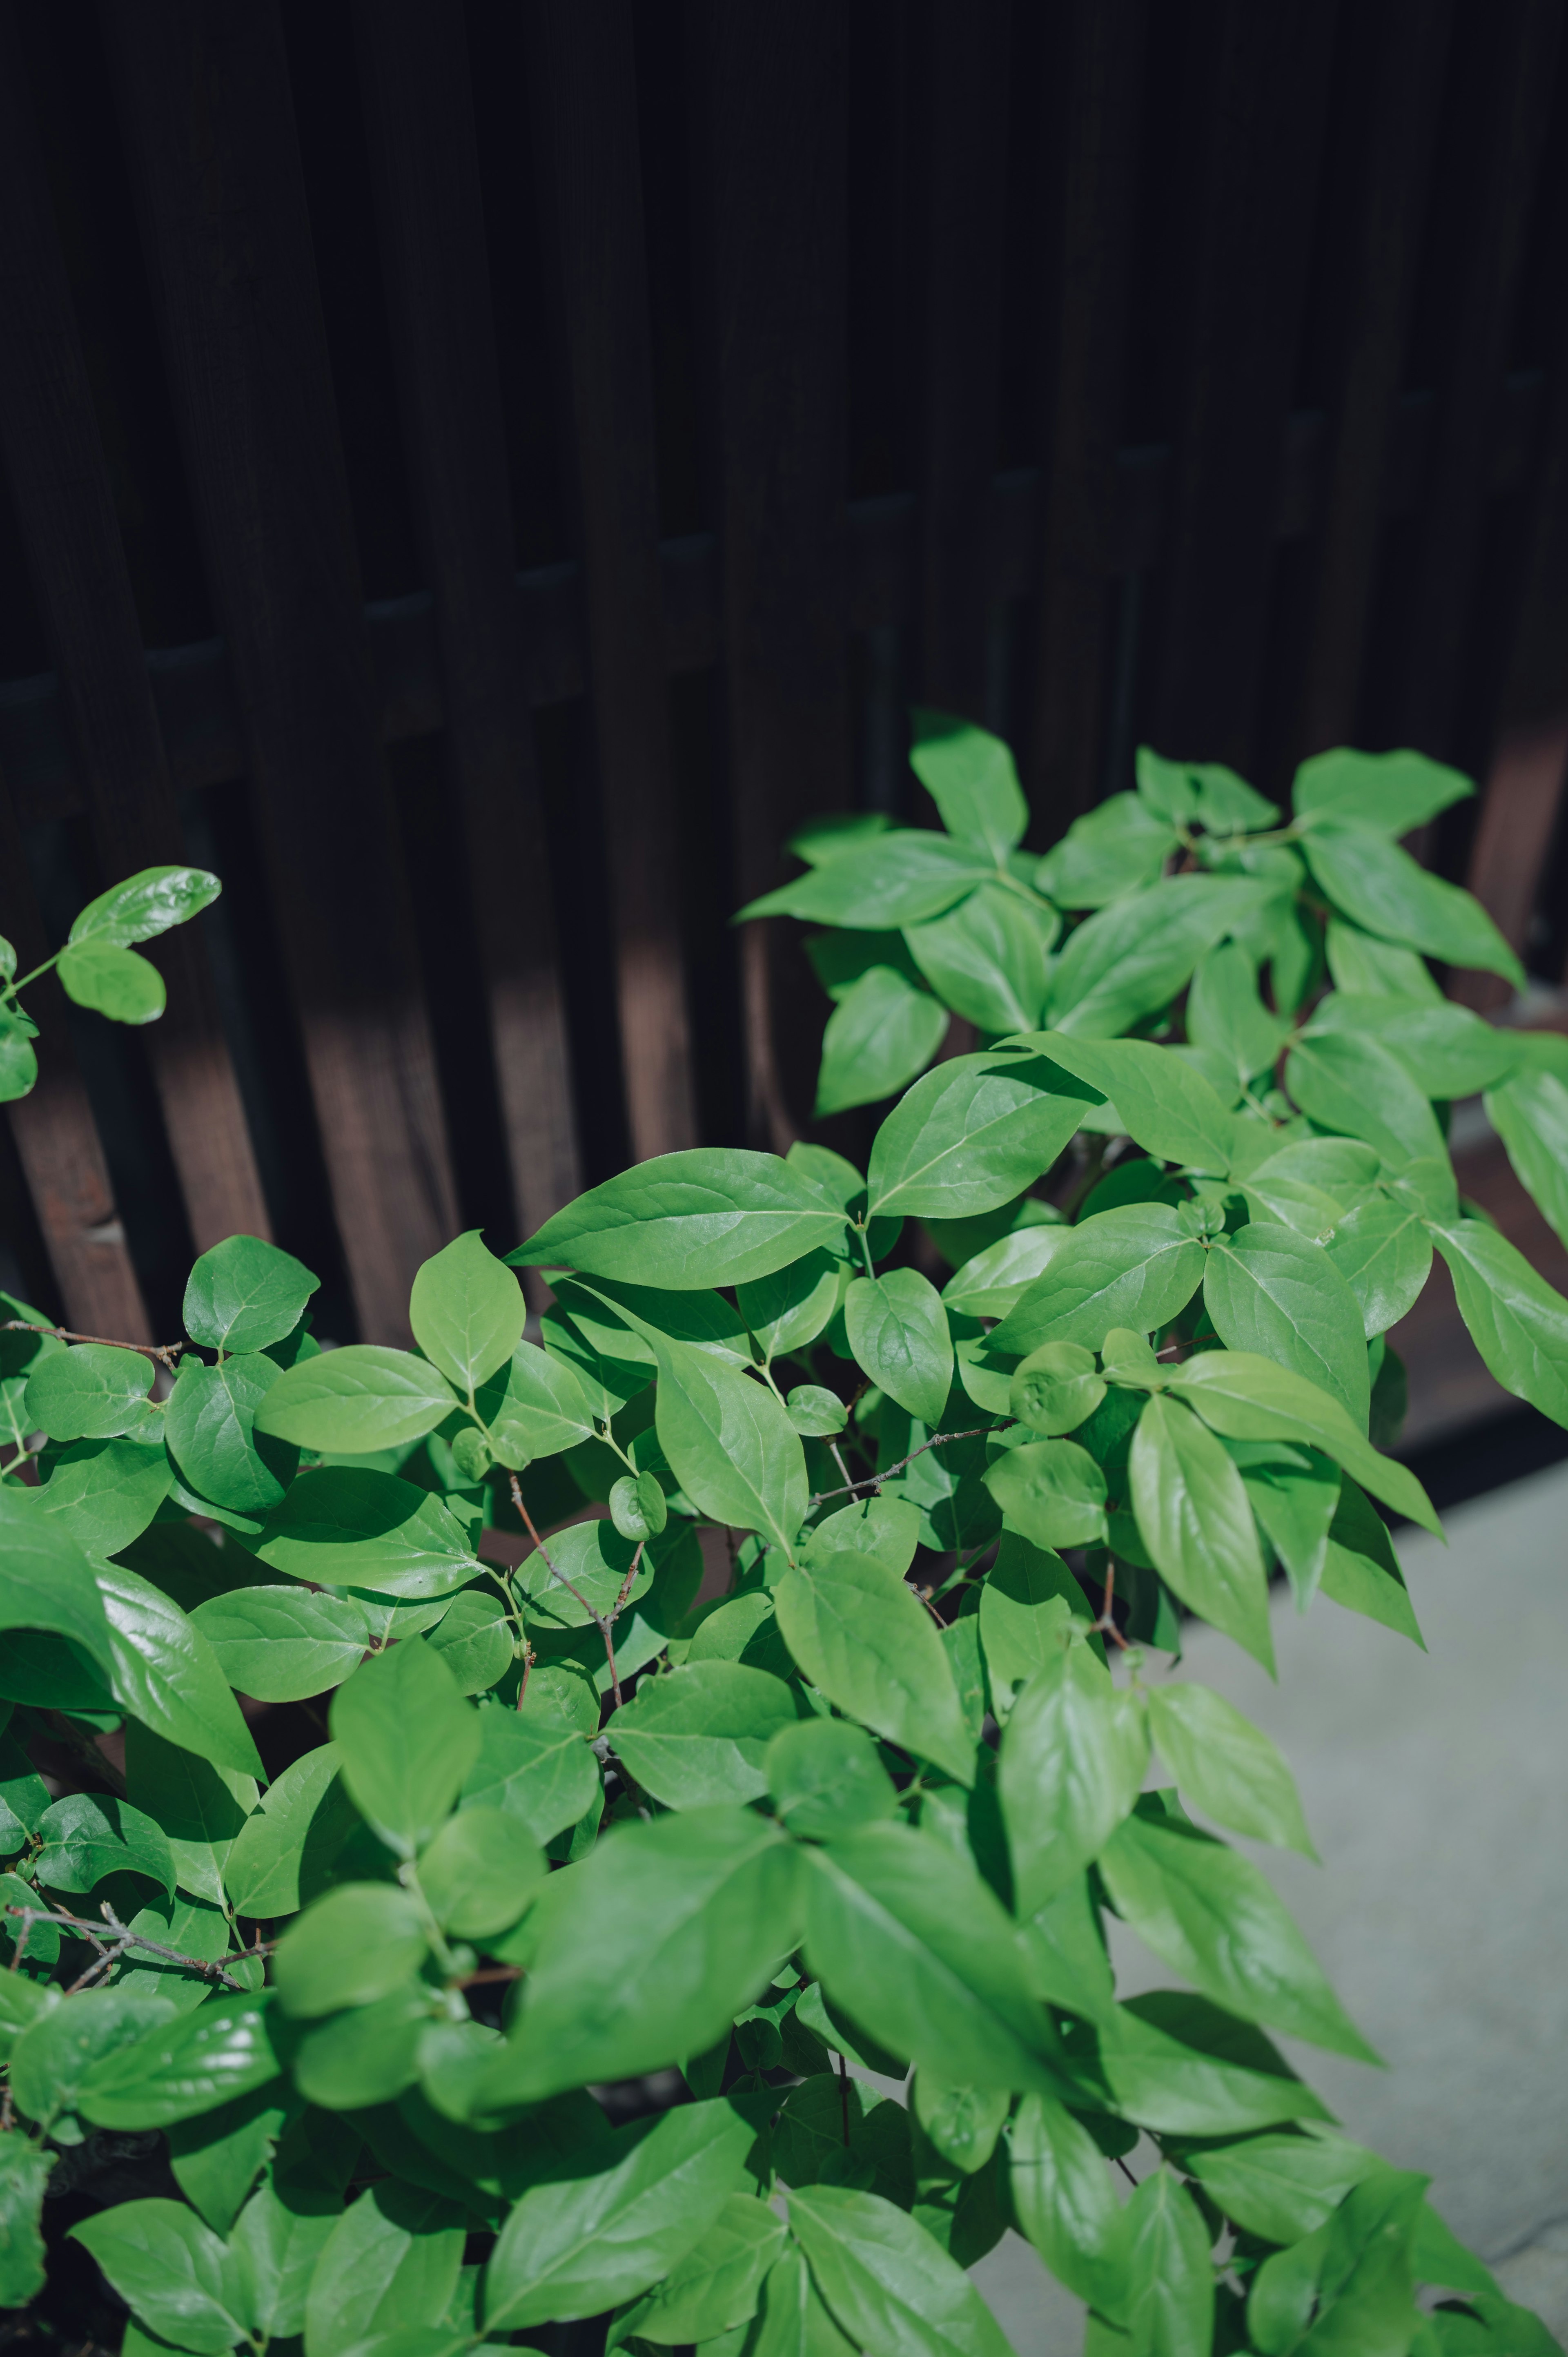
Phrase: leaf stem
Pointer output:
(875, 1480)
(604, 1625)
(165, 1352)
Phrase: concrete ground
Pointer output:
(1437, 1787)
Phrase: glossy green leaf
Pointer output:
(970, 776)
(368, 2054)
(882, 1033)
(1119, 846)
(24, 2169)
(1180, 2065)
(1271, 1291)
(106, 1493)
(897, 1330)
(1447, 1051)
(1054, 1388)
(275, 2246)
(1134, 955)
(1194, 1518)
(210, 1426)
(282, 1644)
(794, 2320)
(700, 1735)
(146, 904)
(1226, 1013)
(89, 1392)
(1136, 1266)
(1346, 1082)
(1281, 2186)
(535, 1764)
(1517, 1321)
(865, 1641)
(282, 1855)
(1248, 1398)
(1357, 2268)
(1227, 1767)
(1529, 1114)
(986, 958)
(715, 2287)
(407, 1740)
(1382, 1250)
(790, 1307)
(354, 1401)
(467, 1312)
(480, 1873)
(730, 1444)
(112, 981)
(181, 2281)
(1293, 1492)
(164, 1672)
(474, 1639)
(534, 1406)
(54, 2054)
(1393, 792)
(646, 1949)
(712, 1215)
(352, 1946)
(1027, 1595)
(1164, 1104)
(18, 1077)
(1312, 1184)
(988, 1284)
(971, 1134)
(1061, 2190)
(1169, 2281)
(1211, 1914)
(46, 1581)
(885, 2280)
(390, 2265)
(244, 1293)
(200, 1806)
(816, 1413)
(1073, 1757)
(1051, 1491)
(222, 2050)
(825, 1779)
(1379, 887)
(896, 879)
(346, 1527)
(1360, 1569)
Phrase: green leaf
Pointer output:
(699, 1735)
(1135, 1266)
(191, 2065)
(1361, 2274)
(1027, 1596)
(574, 2247)
(244, 1294)
(1383, 889)
(354, 1401)
(646, 1949)
(345, 1527)
(971, 1134)
(391, 2264)
(828, 837)
(1054, 1388)
(467, 1312)
(89, 1835)
(1529, 1114)
(1248, 1398)
(988, 1284)
(1117, 847)
(53, 2055)
(730, 1444)
(1359, 962)
(18, 1076)
(825, 1779)
(534, 1406)
(712, 1215)
(172, 2270)
(1133, 956)
(164, 1672)
(369, 2054)
(106, 1493)
(1360, 1569)
(1194, 1518)
(146, 904)
(1394, 792)
(1270, 1291)
(790, 1307)
(908, 1938)
(1179, 2065)
(794, 2321)
(815, 1413)
(715, 2287)
(475, 1641)
(480, 1873)
(1349, 1082)
(1169, 2281)
(112, 981)
(200, 1807)
(1226, 1766)
(986, 958)
(91, 1392)
(1313, 1184)
(1517, 1321)
(284, 1854)
(970, 776)
(1447, 1051)
(896, 879)
(885, 2280)
(1281, 2186)
(196, 1928)
(1226, 1015)
(1382, 1250)
(865, 1641)
(1073, 1757)
(407, 1740)
(886, 1528)
(24, 2169)
(275, 2247)
(1051, 1491)
(1061, 2190)
(533, 1764)
(883, 1032)
(1293, 1492)
(210, 1425)
(284, 1644)
(897, 1330)
(1164, 1104)
(352, 1946)
(1211, 1914)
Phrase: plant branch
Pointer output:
(121, 1939)
(165, 1353)
(604, 1627)
(875, 1480)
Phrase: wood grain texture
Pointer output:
(1262, 134)
(413, 68)
(964, 179)
(204, 98)
(1103, 71)
(771, 101)
(584, 94)
(56, 1136)
(64, 504)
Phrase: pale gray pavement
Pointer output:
(1436, 1789)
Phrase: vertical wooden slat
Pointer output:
(582, 84)
(1091, 275)
(1400, 50)
(1259, 179)
(413, 67)
(1508, 143)
(64, 505)
(57, 1138)
(772, 93)
(204, 97)
(964, 175)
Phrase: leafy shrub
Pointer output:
(569, 1825)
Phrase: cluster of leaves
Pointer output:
(870, 1804)
(98, 966)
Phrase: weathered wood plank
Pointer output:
(774, 205)
(413, 68)
(584, 96)
(204, 98)
(64, 504)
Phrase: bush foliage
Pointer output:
(565, 1826)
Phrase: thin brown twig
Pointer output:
(604, 1627)
(121, 1938)
(491, 1973)
(165, 1353)
(1106, 1623)
(875, 1480)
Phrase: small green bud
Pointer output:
(471, 1454)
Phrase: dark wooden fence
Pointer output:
(478, 476)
